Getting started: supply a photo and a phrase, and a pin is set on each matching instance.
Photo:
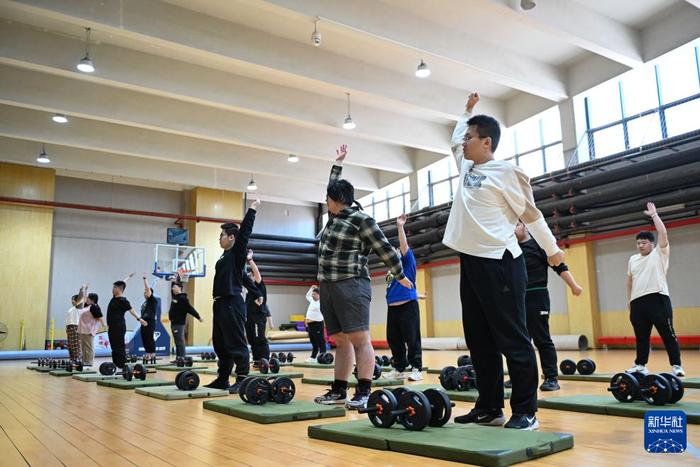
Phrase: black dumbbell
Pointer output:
(258, 391)
(567, 367)
(653, 389)
(187, 380)
(74, 366)
(585, 366)
(282, 357)
(377, 373)
(325, 358)
(273, 355)
(464, 360)
(290, 357)
(271, 366)
(414, 410)
(128, 373)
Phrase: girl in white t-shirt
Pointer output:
(314, 323)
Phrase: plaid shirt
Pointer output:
(347, 240)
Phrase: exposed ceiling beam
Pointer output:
(684, 21)
(398, 27)
(187, 35)
(94, 135)
(584, 28)
(695, 3)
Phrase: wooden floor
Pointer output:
(50, 421)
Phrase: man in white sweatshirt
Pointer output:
(491, 197)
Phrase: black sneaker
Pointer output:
(332, 397)
(234, 388)
(550, 384)
(524, 422)
(483, 417)
(508, 384)
(217, 384)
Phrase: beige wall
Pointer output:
(25, 254)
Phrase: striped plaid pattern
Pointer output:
(347, 240)
(73, 342)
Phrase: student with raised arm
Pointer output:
(72, 318)
(148, 314)
(648, 296)
(180, 307)
(117, 308)
(90, 320)
(491, 196)
(314, 323)
(258, 314)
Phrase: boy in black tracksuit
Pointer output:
(116, 323)
(537, 303)
(228, 333)
(180, 307)
(258, 313)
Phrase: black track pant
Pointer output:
(255, 332)
(147, 336)
(317, 338)
(654, 310)
(537, 305)
(228, 336)
(116, 333)
(403, 335)
(492, 292)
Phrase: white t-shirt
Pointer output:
(72, 316)
(649, 272)
(313, 312)
(490, 199)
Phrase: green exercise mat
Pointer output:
(290, 374)
(328, 380)
(313, 365)
(275, 413)
(468, 443)
(459, 396)
(436, 371)
(608, 405)
(689, 383)
(389, 368)
(180, 368)
(135, 383)
(171, 393)
(71, 373)
(44, 369)
(92, 378)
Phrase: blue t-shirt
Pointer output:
(396, 292)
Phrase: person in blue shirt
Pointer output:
(403, 315)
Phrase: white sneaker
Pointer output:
(310, 360)
(393, 374)
(416, 375)
(638, 369)
(678, 370)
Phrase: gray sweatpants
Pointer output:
(87, 349)
(178, 331)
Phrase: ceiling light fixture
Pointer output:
(316, 36)
(43, 157)
(251, 185)
(422, 71)
(348, 124)
(293, 158)
(527, 4)
(59, 118)
(85, 65)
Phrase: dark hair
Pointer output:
(93, 297)
(120, 284)
(316, 289)
(74, 298)
(646, 235)
(342, 191)
(487, 127)
(395, 243)
(230, 228)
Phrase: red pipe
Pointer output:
(130, 212)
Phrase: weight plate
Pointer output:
(677, 389)
(108, 368)
(283, 390)
(380, 405)
(624, 387)
(464, 360)
(264, 366)
(290, 357)
(140, 372)
(567, 367)
(414, 408)
(244, 384)
(386, 361)
(440, 407)
(586, 366)
(274, 366)
(273, 355)
(258, 391)
(189, 380)
(282, 357)
(464, 378)
(655, 389)
(446, 377)
(127, 372)
(398, 391)
(377, 372)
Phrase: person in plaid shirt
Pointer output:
(345, 243)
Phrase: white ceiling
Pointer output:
(211, 92)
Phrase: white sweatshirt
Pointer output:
(490, 199)
(313, 312)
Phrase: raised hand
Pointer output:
(255, 204)
(341, 152)
(650, 210)
(401, 220)
(472, 101)
(249, 256)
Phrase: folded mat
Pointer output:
(460, 396)
(275, 413)
(171, 393)
(135, 383)
(96, 377)
(286, 374)
(327, 380)
(468, 443)
(608, 405)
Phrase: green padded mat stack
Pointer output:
(135, 383)
(459, 396)
(286, 374)
(170, 393)
(608, 405)
(275, 413)
(469, 443)
(327, 380)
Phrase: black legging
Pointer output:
(403, 335)
(318, 340)
(654, 310)
(255, 333)
(228, 336)
(149, 343)
(116, 333)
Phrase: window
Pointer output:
(391, 201)
(653, 102)
(438, 182)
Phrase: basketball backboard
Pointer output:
(189, 261)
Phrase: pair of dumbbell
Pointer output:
(209, 356)
(187, 380)
(138, 371)
(325, 358)
(462, 378)
(382, 361)
(413, 409)
(282, 357)
(660, 389)
(149, 361)
(376, 374)
(258, 391)
(585, 366)
(266, 366)
(183, 362)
